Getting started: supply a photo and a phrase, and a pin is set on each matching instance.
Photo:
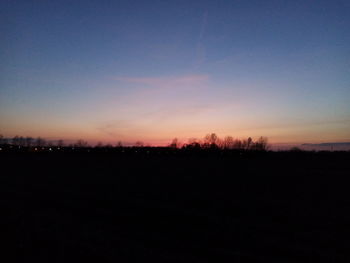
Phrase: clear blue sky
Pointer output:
(154, 70)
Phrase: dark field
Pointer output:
(114, 207)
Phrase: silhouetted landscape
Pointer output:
(167, 204)
(174, 131)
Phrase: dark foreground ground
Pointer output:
(110, 207)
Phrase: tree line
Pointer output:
(210, 141)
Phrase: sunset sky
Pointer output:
(153, 70)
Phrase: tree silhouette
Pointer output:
(40, 142)
(60, 143)
(211, 141)
(2, 140)
(249, 143)
(295, 149)
(15, 140)
(261, 144)
(81, 143)
(228, 142)
(174, 144)
(193, 144)
(237, 144)
(29, 141)
(99, 145)
(139, 144)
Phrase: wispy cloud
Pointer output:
(152, 121)
(161, 107)
(167, 82)
(166, 89)
(200, 49)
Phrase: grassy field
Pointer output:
(133, 207)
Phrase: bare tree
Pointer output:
(220, 143)
(29, 141)
(228, 142)
(99, 145)
(40, 142)
(295, 149)
(174, 144)
(261, 144)
(139, 144)
(81, 143)
(60, 143)
(193, 143)
(237, 144)
(193, 140)
(22, 141)
(249, 143)
(2, 140)
(210, 140)
(15, 140)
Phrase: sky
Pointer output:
(114, 71)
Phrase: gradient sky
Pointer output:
(154, 70)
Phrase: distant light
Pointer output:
(36, 149)
(58, 148)
(0, 149)
(50, 149)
